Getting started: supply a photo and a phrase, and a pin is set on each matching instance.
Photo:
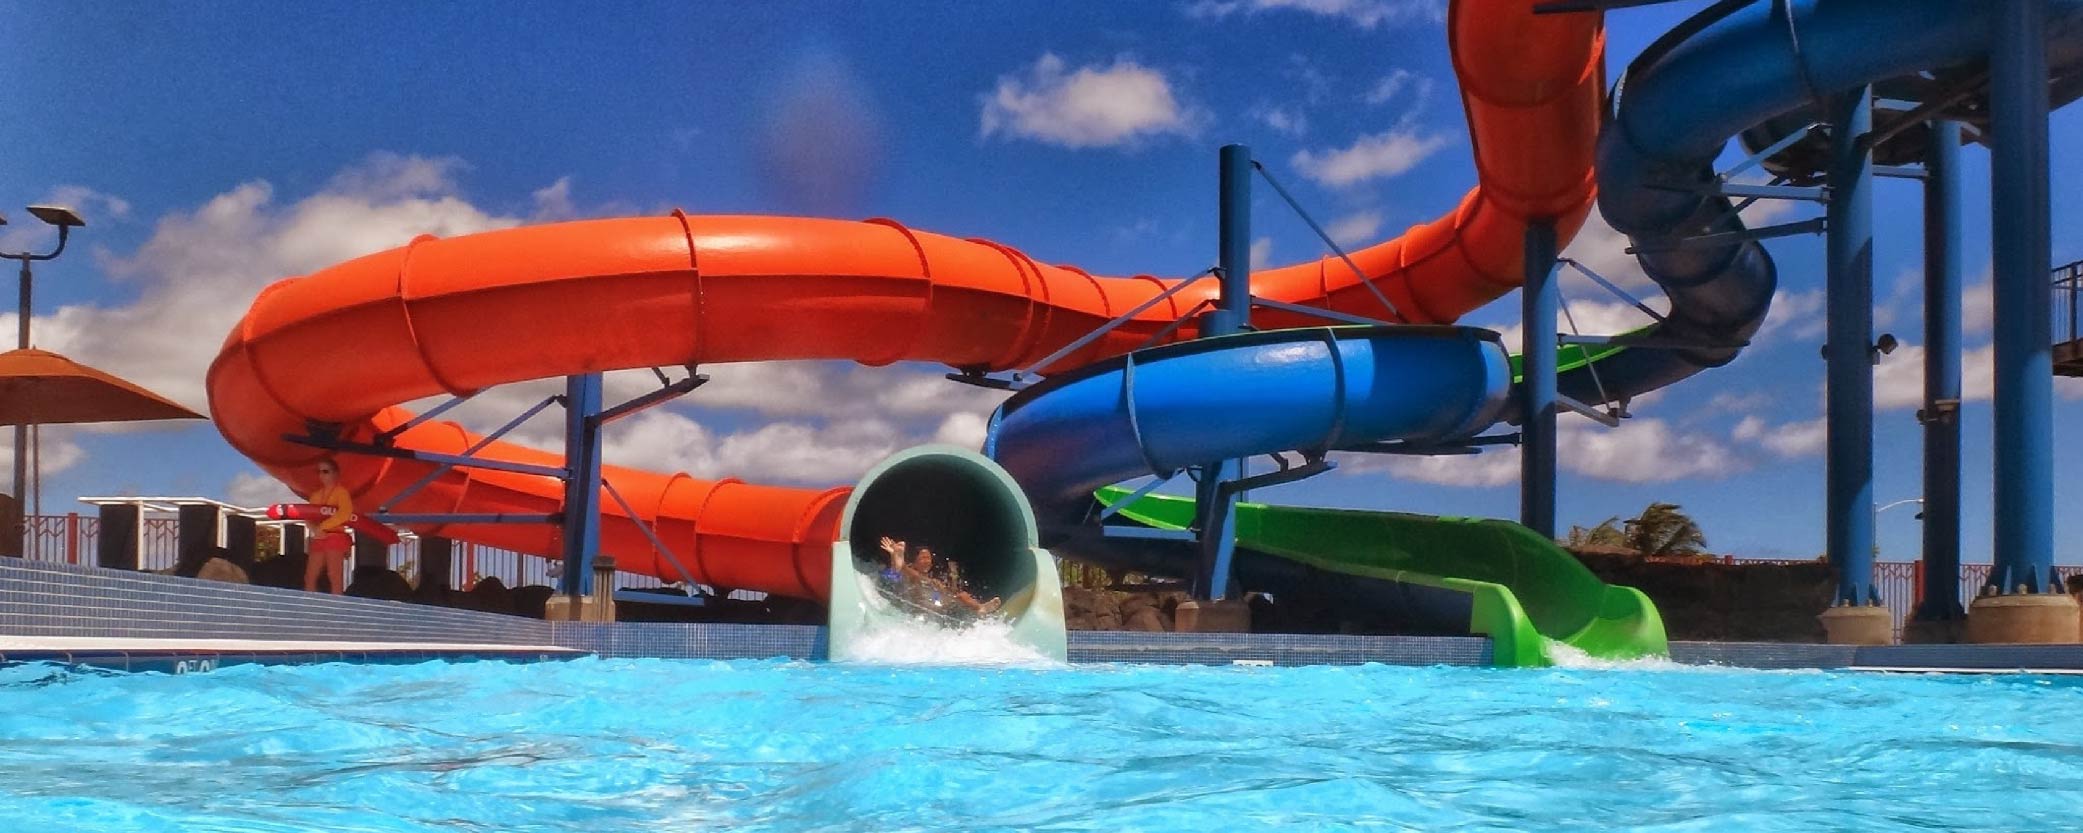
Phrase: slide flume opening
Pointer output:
(981, 531)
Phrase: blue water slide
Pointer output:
(1161, 410)
(1734, 67)
(1737, 66)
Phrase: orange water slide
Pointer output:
(347, 344)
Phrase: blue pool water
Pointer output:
(610, 745)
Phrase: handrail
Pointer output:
(2069, 278)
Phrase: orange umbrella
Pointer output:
(38, 387)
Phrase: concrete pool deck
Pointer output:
(139, 621)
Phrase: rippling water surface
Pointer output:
(607, 745)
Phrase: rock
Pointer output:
(285, 571)
(379, 583)
(1146, 619)
(532, 601)
(489, 596)
(218, 569)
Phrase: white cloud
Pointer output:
(1898, 382)
(255, 490)
(965, 429)
(1355, 229)
(1977, 307)
(1793, 439)
(1639, 451)
(1283, 121)
(1366, 14)
(1377, 156)
(1395, 83)
(554, 202)
(786, 452)
(1261, 253)
(200, 270)
(1590, 318)
(1091, 106)
(1643, 451)
(1795, 315)
(59, 451)
(1496, 467)
(1730, 402)
(92, 205)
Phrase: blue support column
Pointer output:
(2024, 517)
(1941, 414)
(582, 487)
(1541, 296)
(1216, 508)
(1849, 349)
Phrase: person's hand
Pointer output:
(891, 545)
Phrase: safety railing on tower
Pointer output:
(2068, 309)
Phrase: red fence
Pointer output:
(73, 539)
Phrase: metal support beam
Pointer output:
(1110, 326)
(1605, 418)
(1319, 312)
(1115, 508)
(1472, 445)
(1365, 282)
(396, 453)
(1731, 238)
(1848, 347)
(2020, 223)
(1216, 509)
(474, 448)
(582, 489)
(1755, 192)
(1941, 413)
(1142, 533)
(386, 437)
(1538, 305)
(669, 392)
(438, 518)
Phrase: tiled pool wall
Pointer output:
(59, 600)
(43, 599)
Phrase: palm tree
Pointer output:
(1665, 530)
(1606, 534)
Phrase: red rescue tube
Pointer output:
(314, 512)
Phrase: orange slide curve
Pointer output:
(456, 315)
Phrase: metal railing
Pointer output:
(73, 539)
(2068, 302)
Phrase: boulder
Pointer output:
(379, 583)
(218, 569)
(1146, 619)
(489, 596)
(285, 571)
(532, 601)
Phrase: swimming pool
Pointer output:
(603, 745)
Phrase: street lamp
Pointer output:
(1876, 519)
(66, 220)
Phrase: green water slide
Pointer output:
(1525, 591)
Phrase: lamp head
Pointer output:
(57, 215)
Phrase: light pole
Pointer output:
(1876, 520)
(65, 219)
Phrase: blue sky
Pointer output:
(217, 146)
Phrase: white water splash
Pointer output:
(904, 640)
(1565, 655)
